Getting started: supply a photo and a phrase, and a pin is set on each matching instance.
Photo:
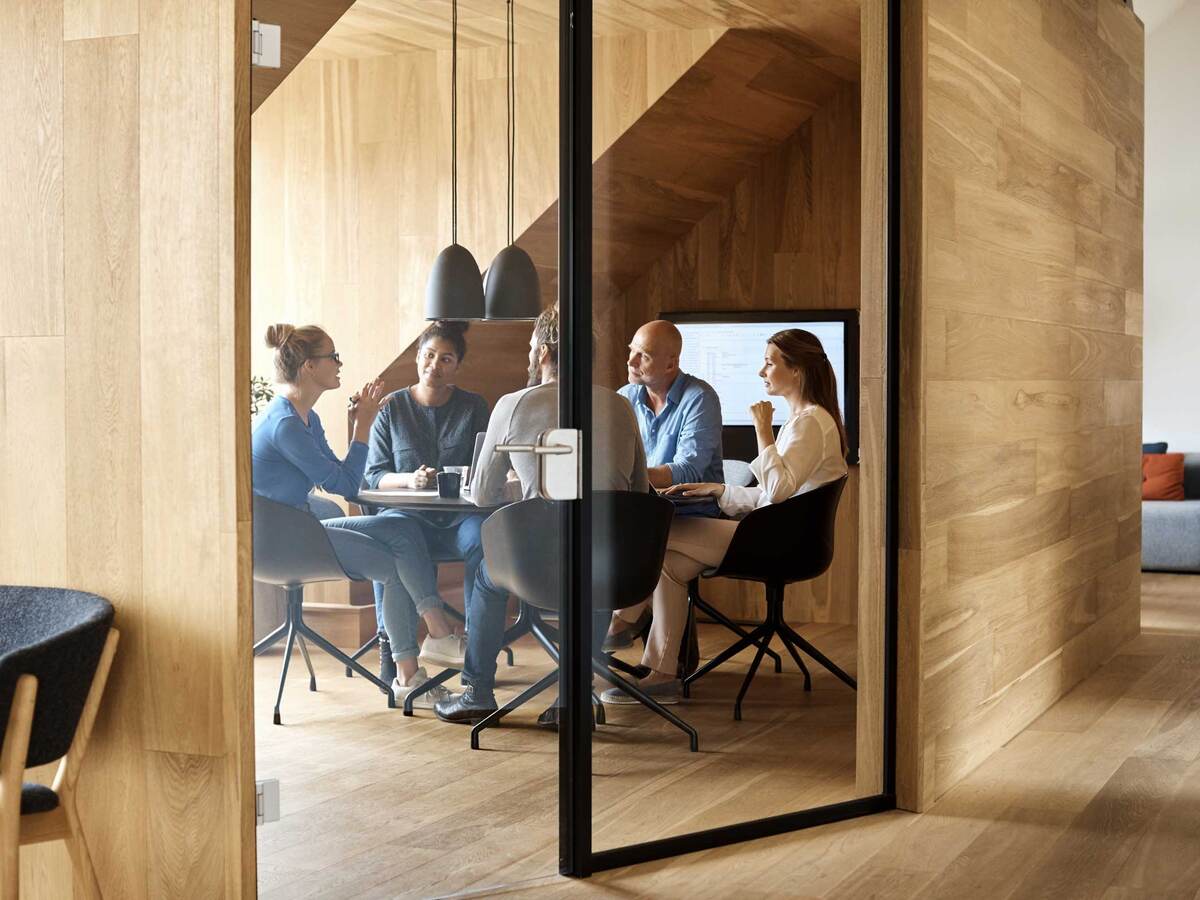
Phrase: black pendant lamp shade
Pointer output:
(511, 289)
(455, 287)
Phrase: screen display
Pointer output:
(728, 355)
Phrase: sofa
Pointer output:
(1171, 528)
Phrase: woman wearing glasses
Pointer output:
(291, 456)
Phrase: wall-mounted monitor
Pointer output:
(726, 350)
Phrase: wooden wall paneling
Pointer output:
(911, 769)
(32, 452)
(239, 834)
(31, 240)
(179, 567)
(303, 23)
(85, 19)
(1030, 391)
(873, 374)
(103, 432)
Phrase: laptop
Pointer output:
(475, 459)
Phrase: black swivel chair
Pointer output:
(291, 549)
(523, 547)
(778, 545)
(56, 648)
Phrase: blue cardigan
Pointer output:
(290, 458)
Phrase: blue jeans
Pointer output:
(414, 590)
(486, 613)
(415, 542)
(365, 557)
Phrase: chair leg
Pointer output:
(526, 695)
(820, 657)
(737, 705)
(287, 658)
(721, 619)
(362, 651)
(312, 676)
(429, 684)
(81, 858)
(599, 667)
(347, 661)
(791, 648)
(754, 637)
(271, 639)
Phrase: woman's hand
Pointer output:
(423, 477)
(696, 489)
(365, 404)
(763, 413)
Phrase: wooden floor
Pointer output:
(378, 805)
(1099, 798)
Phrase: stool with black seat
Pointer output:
(56, 649)
(778, 545)
(292, 549)
(523, 547)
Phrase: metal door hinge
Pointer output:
(265, 40)
(266, 801)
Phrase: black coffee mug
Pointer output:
(449, 484)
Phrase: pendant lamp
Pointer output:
(510, 287)
(455, 287)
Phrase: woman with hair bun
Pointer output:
(809, 451)
(421, 429)
(291, 456)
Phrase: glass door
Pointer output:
(726, 291)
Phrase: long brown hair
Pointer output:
(801, 350)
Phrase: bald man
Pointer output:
(679, 415)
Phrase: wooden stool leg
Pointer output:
(81, 859)
(12, 768)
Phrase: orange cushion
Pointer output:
(1162, 476)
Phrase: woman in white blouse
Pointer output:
(809, 451)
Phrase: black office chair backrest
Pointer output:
(788, 541)
(291, 547)
(57, 636)
(523, 547)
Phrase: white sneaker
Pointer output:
(448, 651)
(427, 699)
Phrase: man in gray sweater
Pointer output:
(618, 464)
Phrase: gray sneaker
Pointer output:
(427, 699)
(668, 693)
(447, 652)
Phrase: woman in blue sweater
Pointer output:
(291, 456)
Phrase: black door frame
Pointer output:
(576, 856)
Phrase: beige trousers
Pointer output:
(695, 544)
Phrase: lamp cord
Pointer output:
(454, 122)
(511, 98)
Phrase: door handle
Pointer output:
(552, 449)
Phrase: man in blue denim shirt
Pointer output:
(679, 415)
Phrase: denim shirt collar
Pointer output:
(674, 395)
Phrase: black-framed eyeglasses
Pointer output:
(334, 356)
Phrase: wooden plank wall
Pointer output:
(787, 237)
(123, 370)
(1024, 422)
(351, 180)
